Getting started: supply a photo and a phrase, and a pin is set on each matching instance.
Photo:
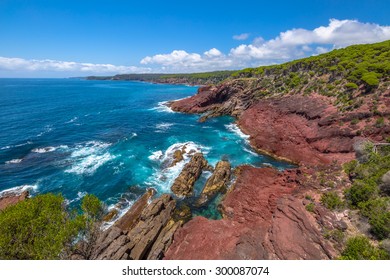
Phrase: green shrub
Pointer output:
(92, 207)
(335, 234)
(37, 228)
(355, 121)
(361, 192)
(349, 167)
(351, 86)
(310, 207)
(370, 79)
(331, 200)
(380, 122)
(42, 228)
(376, 210)
(359, 248)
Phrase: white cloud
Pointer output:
(182, 61)
(20, 64)
(288, 45)
(241, 37)
(212, 53)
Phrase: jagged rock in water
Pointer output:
(12, 198)
(216, 183)
(130, 219)
(178, 156)
(184, 184)
(144, 232)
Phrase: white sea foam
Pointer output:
(14, 161)
(90, 164)
(80, 195)
(164, 176)
(161, 127)
(234, 128)
(19, 190)
(16, 146)
(156, 155)
(89, 157)
(44, 150)
(250, 151)
(89, 148)
(73, 120)
(121, 212)
(47, 129)
(162, 107)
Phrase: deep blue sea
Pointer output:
(113, 139)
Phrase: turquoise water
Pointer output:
(113, 139)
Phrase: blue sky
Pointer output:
(77, 38)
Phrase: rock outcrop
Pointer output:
(304, 129)
(184, 184)
(12, 198)
(144, 232)
(264, 217)
(301, 129)
(216, 183)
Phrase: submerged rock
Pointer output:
(216, 183)
(178, 156)
(184, 184)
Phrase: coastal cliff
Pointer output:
(328, 115)
(308, 112)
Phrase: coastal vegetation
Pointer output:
(360, 248)
(190, 78)
(368, 191)
(325, 92)
(43, 227)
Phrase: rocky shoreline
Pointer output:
(264, 213)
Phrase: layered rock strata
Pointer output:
(264, 217)
(217, 183)
(183, 185)
(144, 232)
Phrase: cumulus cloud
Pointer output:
(241, 37)
(288, 45)
(15, 64)
(182, 61)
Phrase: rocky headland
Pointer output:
(306, 112)
(329, 115)
(269, 214)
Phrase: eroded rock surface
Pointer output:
(216, 183)
(184, 184)
(12, 198)
(264, 217)
(144, 232)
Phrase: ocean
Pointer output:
(112, 139)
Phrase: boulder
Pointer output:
(216, 183)
(184, 184)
